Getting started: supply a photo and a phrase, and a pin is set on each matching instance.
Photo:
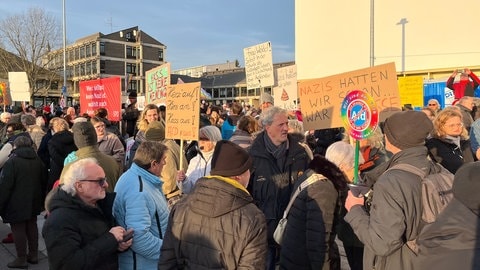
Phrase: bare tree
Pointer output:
(26, 38)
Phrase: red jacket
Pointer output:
(463, 88)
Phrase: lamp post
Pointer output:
(372, 32)
(403, 21)
(64, 88)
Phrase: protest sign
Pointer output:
(411, 90)
(101, 93)
(285, 91)
(183, 111)
(19, 86)
(321, 98)
(258, 65)
(157, 79)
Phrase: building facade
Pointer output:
(127, 53)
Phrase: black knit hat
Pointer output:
(466, 186)
(229, 159)
(407, 129)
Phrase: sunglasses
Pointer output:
(432, 104)
(101, 181)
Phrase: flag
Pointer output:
(204, 94)
(179, 81)
(62, 101)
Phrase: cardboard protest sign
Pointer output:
(157, 79)
(183, 111)
(411, 90)
(285, 91)
(5, 98)
(321, 98)
(102, 93)
(258, 65)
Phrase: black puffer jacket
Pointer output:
(449, 154)
(59, 146)
(77, 235)
(217, 226)
(272, 186)
(22, 185)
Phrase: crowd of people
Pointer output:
(217, 203)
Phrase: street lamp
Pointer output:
(403, 21)
(372, 32)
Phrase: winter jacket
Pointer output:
(448, 154)
(451, 242)
(112, 146)
(169, 171)
(109, 164)
(198, 167)
(36, 133)
(310, 230)
(22, 186)
(463, 88)
(272, 186)
(229, 126)
(242, 138)
(215, 227)
(77, 235)
(140, 205)
(8, 146)
(59, 146)
(395, 214)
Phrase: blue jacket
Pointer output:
(141, 205)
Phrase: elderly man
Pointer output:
(278, 161)
(396, 210)
(218, 201)
(79, 232)
(466, 104)
(141, 206)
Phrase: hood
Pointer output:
(58, 198)
(24, 152)
(217, 196)
(233, 119)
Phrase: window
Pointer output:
(132, 69)
(71, 56)
(89, 50)
(132, 85)
(82, 52)
(160, 54)
(88, 68)
(82, 69)
(94, 68)
(94, 49)
(102, 48)
(77, 53)
(131, 52)
(102, 66)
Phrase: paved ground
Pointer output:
(8, 254)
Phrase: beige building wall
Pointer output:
(333, 37)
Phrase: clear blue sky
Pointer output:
(196, 32)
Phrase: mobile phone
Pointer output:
(127, 236)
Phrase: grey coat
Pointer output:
(395, 215)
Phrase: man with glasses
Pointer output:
(79, 232)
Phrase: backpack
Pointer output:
(436, 193)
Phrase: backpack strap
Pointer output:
(409, 168)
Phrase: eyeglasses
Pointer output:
(101, 181)
(99, 126)
(203, 139)
(457, 125)
(432, 104)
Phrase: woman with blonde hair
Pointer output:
(149, 114)
(449, 144)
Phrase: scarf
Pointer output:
(278, 152)
(455, 140)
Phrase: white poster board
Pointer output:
(285, 91)
(258, 65)
(19, 86)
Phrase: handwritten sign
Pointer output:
(321, 99)
(285, 93)
(411, 90)
(157, 80)
(183, 111)
(101, 93)
(258, 65)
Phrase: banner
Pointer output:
(285, 93)
(321, 99)
(101, 93)
(157, 79)
(5, 98)
(183, 111)
(258, 65)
